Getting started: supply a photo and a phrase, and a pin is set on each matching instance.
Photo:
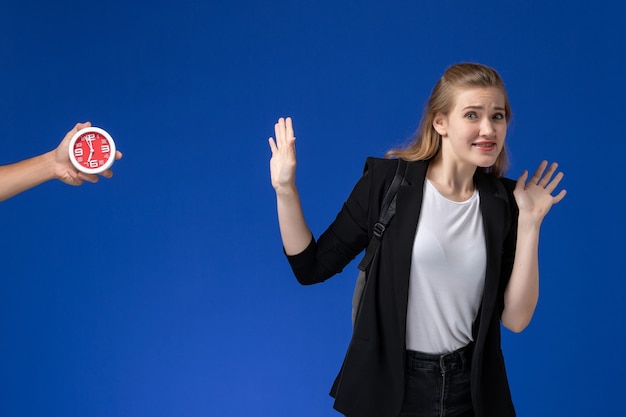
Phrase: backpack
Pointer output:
(387, 211)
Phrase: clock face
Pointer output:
(92, 150)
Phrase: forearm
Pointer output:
(21, 176)
(294, 231)
(522, 292)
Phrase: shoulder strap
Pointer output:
(502, 193)
(387, 211)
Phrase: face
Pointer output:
(474, 131)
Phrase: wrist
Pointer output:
(528, 222)
(286, 191)
(46, 164)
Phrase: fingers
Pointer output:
(521, 181)
(73, 177)
(279, 132)
(80, 126)
(76, 128)
(272, 145)
(107, 174)
(551, 186)
(549, 180)
(93, 178)
(283, 133)
(536, 178)
(544, 178)
(551, 170)
(559, 196)
(289, 128)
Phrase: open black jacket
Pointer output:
(371, 380)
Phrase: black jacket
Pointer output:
(371, 380)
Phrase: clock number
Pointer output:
(78, 151)
(105, 149)
(93, 164)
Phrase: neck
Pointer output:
(454, 181)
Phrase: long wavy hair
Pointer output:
(426, 143)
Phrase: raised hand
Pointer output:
(283, 161)
(534, 198)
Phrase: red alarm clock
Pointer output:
(92, 150)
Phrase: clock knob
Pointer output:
(92, 150)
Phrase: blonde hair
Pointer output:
(426, 143)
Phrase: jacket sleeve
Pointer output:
(349, 233)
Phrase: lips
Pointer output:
(485, 146)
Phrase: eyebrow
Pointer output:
(482, 108)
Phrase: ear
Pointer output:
(440, 123)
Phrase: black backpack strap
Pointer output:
(502, 193)
(387, 211)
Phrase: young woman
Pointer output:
(23, 175)
(458, 258)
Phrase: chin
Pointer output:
(486, 162)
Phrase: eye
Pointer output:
(471, 115)
(498, 116)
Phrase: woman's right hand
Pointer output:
(283, 161)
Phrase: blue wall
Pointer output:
(164, 291)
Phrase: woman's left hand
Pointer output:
(534, 198)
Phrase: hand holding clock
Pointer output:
(66, 170)
(56, 164)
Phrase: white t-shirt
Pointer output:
(447, 273)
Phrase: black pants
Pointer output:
(438, 385)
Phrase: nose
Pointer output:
(487, 129)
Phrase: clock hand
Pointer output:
(89, 140)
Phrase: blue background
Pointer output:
(164, 291)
